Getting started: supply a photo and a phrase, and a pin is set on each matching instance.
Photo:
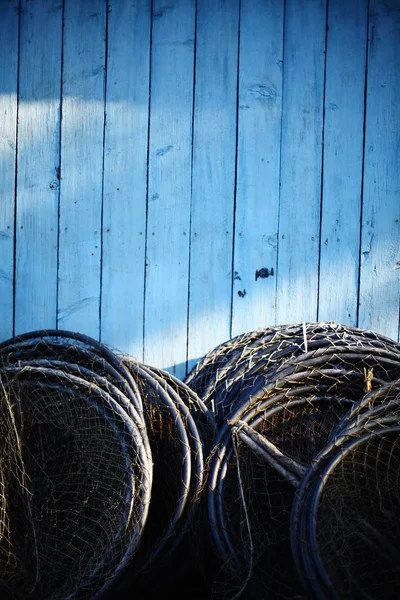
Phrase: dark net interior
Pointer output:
(356, 526)
(280, 480)
(253, 498)
(73, 479)
(278, 396)
(112, 456)
(345, 537)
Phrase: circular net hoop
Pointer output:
(379, 407)
(201, 414)
(75, 350)
(205, 371)
(255, 468)
(75, 468)
(177, 422)
(277, 400)
(345, 537)
(235, 364)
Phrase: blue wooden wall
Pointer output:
(176, 172)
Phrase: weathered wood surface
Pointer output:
(38, 165)
(168, 224)
(176, 173)
(301, 161)
(9, 40)
(213, 179)
(125, 175)
(380, 240)
(258, 166)
(343, 160)
(82, 136)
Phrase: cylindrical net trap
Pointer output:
(345, 537)
(75, 468)
(235, 364)
(178, 426)
(277, 395)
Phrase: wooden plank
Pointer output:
(257, 198)
(380, 244)
(125, 176)
(301, 158)
(8, 141)
(169, 185)
(214, 150)
(81, 166)
(38, 165)
(343, 160)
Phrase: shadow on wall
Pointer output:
(182, 369)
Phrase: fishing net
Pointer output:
(377, 408)
(72, 352)
(201, 414)
(277, 395)
(223, 372)
(75, 467)
(265, 453)
(251, 488)
(345, 536)
(164, 429)
(177, 424)
(216, 362)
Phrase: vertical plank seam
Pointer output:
(398, 333)
(191, 186)
(236, 168)
(16, 167)
(102, 178)
(321, 201)
(147, 185)
(363, 163)
(280, 160)
(59, 162)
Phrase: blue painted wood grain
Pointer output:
(213, 189)
(125, 175)
(343, 160)
(301, 160)
(257, 198)
(380, 243)
(38, 165)
(186, 146)
(167, 260)
(8, 147)
(82, 130)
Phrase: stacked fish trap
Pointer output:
(279, 394)
(287, 439)
(178, 426)
(345, 532)
(88, 444)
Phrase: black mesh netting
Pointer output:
(101, 467)
(277, 395)
(345, 533)
(78, 494)
(273, 471)
(179, 428)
